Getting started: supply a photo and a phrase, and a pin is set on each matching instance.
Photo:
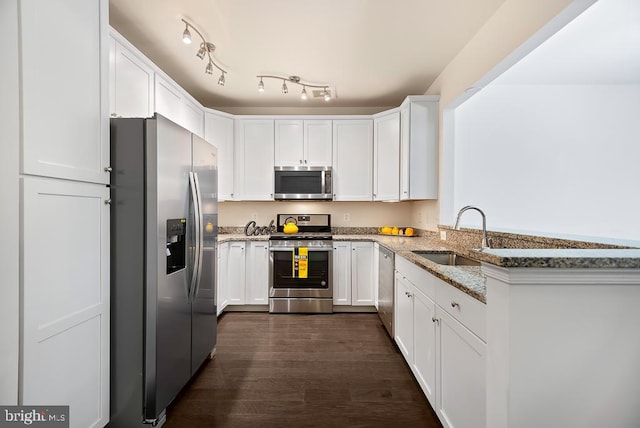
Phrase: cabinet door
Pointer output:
(419, 147)
(236, 277)
(342, 273)
(132, 85)
(424, 344)
(64, 89)
(192, 117)
(253, 168)
(168, 100)
(257, 290)
(222, 294)
(65, 302)
(386, 158)
(318, 141)
(218, 130)
(362, 286)
(288, 146)
(403, 316)
(353, 160)
(460, 378)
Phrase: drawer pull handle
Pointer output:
(455, 304)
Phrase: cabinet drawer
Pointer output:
(420, 278)
(464, 308)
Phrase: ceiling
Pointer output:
(601, 46)
(371, 53)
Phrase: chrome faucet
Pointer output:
(485, 243)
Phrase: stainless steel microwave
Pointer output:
(302, 182)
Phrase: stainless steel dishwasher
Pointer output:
(385, 288)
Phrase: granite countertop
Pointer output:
(594, 258)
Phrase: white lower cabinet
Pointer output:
(461, 359)
(257, 273)
(222, 294)
(236, 276)
(65, 301)
(353, 276)
(342, 273)
(447, 357)
(362, 283)
(243, 273)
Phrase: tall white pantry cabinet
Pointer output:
(55, 256)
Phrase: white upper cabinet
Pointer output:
(64, 88)
(386, 157)
(173, 104)
(303, 142)
(288, 147)
(218, 130)
(419, 148)
(130, 83)
(353, 160)
(253, 159)
(168, 100)
(318, 142)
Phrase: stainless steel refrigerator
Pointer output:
(163, 251)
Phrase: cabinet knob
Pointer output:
(305, 161)
(107, 201)
(108, 169)
(300, 160)
(435, 320)
(455, 304)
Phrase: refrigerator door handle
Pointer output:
(197, 217)
(200, 236)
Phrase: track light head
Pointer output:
(221, 79)
(202, 51)
(261, 86)
(209, 68)
(186, 35)
(303, 95)
(285, 90)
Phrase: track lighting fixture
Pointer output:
(325, 93)
(205, 49)
(186, 35)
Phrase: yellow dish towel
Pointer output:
(300, 262)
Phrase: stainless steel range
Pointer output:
(300, 268)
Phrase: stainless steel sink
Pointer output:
(447, 258)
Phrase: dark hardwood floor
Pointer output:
(339, 370)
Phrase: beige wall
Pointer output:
(362, 214)
(516, 28)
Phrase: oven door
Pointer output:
(317, 284)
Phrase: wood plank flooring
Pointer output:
(289, 370)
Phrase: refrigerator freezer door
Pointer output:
(168, 310)
(203, 307)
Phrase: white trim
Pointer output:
(559, 276)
